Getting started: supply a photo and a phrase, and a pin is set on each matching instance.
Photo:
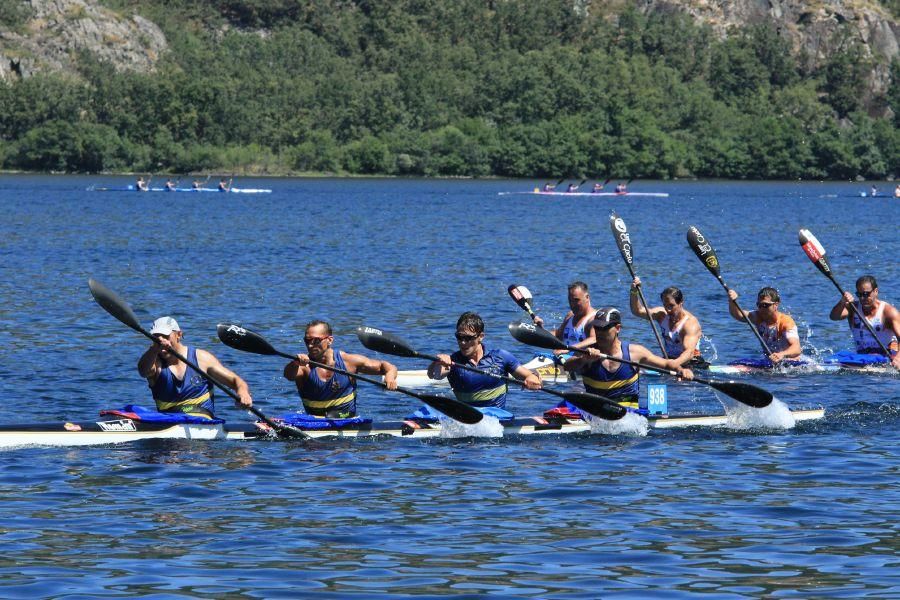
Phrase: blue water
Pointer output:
(803, 512)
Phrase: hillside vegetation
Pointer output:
(465, 88)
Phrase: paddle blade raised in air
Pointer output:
(623, 240)
(531, 334)
(243, 339)
(703, 249)
(814, 250)
(386, 343)
(114, 305)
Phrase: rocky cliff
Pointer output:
(55, 31)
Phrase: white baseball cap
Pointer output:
(164, 326)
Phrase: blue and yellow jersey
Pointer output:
(334, 397)
(192, 395)
(621, 384)
(482, 390)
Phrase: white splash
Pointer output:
(487, 427)
(774, 416)
(630, 424)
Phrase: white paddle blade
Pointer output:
(814, 250)
(520, 293)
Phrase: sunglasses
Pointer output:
(464, 337)
(864, 294)
(765, 304)
(310, 341)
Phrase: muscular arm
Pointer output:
(733, 310)
(148, 364)
(841, 310)
(530, 378)
(357, 363)
(210, 365)
(643, 356)
(690, 338)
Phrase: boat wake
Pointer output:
(487, 427)
(774, 416)
(630, 424)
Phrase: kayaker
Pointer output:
(884, 319)
(170, 185)
(473, 388)
(607, 377)
(549, 187)
(325, 393)
(223, 186)
(575, 329)
(897, 191)
(141, 185)
(621, 188)
(776, 328)
(680, 329)
(178, 388)
(598, 187)
(196, 185)
(572, 188)
(873, 192)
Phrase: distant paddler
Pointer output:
(479, 389)
(196, 185)
(224, 186)
(883, 318)
(177, 387)
(605, 376)
(141, 185)
(621, 188)
(170, 185)
(327, 393)
(897, 191)
(777, 329)
(680, 329)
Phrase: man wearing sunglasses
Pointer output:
(178, 388)
(605, 376)
(884, 319)
(777, 329)
(326, 393)
(476, 389)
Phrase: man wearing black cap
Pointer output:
(603, 375)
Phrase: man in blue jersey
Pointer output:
(178, 388)
(608, 377)
(326, 393)
(575, 328)
(473, 388)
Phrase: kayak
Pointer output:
(131, 188)
(636, 194)
(124, 430)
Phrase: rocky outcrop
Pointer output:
(816, 28)
(59, 29)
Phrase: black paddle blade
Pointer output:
(743, 392)
(381, 341)
(623, 240)
(531, 334)
(596, 405)
(814, 251)
(240, 338)
(456, 410)
(521, 296)
(703, 249)
(114, 305)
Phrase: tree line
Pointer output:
(467, 88)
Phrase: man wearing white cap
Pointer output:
(178, 388)
(608, 377)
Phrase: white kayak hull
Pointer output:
(123, 430)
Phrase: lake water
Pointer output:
(809, 511)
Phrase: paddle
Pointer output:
(816, 253)
(623, 241)
(241, 338)
(704, 251)
(120, 309)
(522, 296)
(381, 341)
(742, 392)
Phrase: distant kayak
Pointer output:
(540, 193)
(131, 188)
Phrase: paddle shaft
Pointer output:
(746, 319)
(662, 347)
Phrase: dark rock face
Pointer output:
(60, 29)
